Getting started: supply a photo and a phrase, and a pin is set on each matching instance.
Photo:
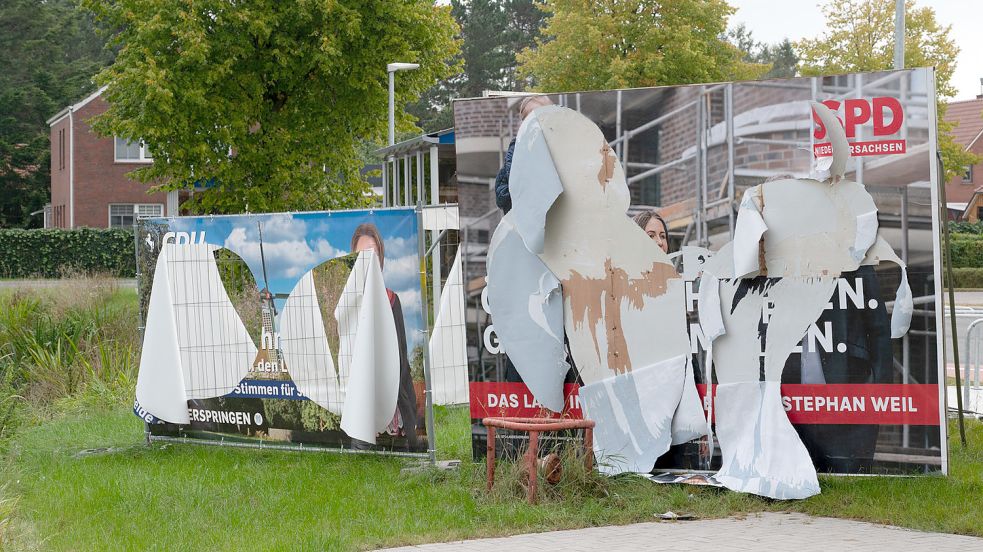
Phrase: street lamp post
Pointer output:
(391, 69)
(899, 34)
(387, 182)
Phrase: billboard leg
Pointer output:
(428, 381)
(947, 255)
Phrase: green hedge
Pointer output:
(966, 227)
(967, 251)
(52, 253)
(968, 278)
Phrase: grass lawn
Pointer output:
(172, 497)
(53, 404)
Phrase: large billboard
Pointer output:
(773, 242)
(288, 330)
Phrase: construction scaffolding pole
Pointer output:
(729, 118)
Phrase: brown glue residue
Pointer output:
(592, 299)
(607, 166)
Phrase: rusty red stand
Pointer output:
(534, 426)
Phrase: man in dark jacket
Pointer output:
(868, 358)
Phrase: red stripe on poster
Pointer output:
(497, 399)
(874, 404)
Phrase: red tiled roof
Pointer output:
(969, 116)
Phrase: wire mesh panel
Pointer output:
(274, 338)
(448, 346)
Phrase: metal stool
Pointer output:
(534, 426)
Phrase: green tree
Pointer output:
(597, 44)
(49, 53)
(860, 37)
(267, 102)
(781, 57)
(492, 32)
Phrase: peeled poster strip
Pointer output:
(525, 302)
(761, 452)
(834, 165)
(747, 235)
(305, 348)
(216, 349)
(160, 381)
(904, 306)
(370, 351)
(633, 415)
(533, 183)
(192, 329)
(448, 343)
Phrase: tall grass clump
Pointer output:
(75, 344)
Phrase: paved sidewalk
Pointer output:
(755, 532)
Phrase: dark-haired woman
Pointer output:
(366, 236)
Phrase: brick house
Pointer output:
(968, 133)
(89, 182)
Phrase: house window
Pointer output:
(131, 152)
(123, 215)
(61, 149)
(968, 175)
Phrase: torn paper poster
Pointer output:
(633, 415)
(190, 296)
(822, 240)
(533, 183)
(790, 308)
(747, 234)
(834, 165)
(786, 259)
(369, 351)
(305, 348)
(688, 421)
(764, 319)
(693, 259)
(865, 235)
(526, 305)
(623, 302)
(708, 307)
(762, 453)
(672, 478)
(160, 381)
(448, 342)
(904, 305)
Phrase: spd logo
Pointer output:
(884, 115)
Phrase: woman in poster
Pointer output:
(366, 236)
(656, 228)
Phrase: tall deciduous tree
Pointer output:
(269, 102)
(596, 44)
(492, 32)
(860, 37)
(48, 55)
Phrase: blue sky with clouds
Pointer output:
(295, 243)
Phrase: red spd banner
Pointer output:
(885, 115)
(498, 399)
(873, 404)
